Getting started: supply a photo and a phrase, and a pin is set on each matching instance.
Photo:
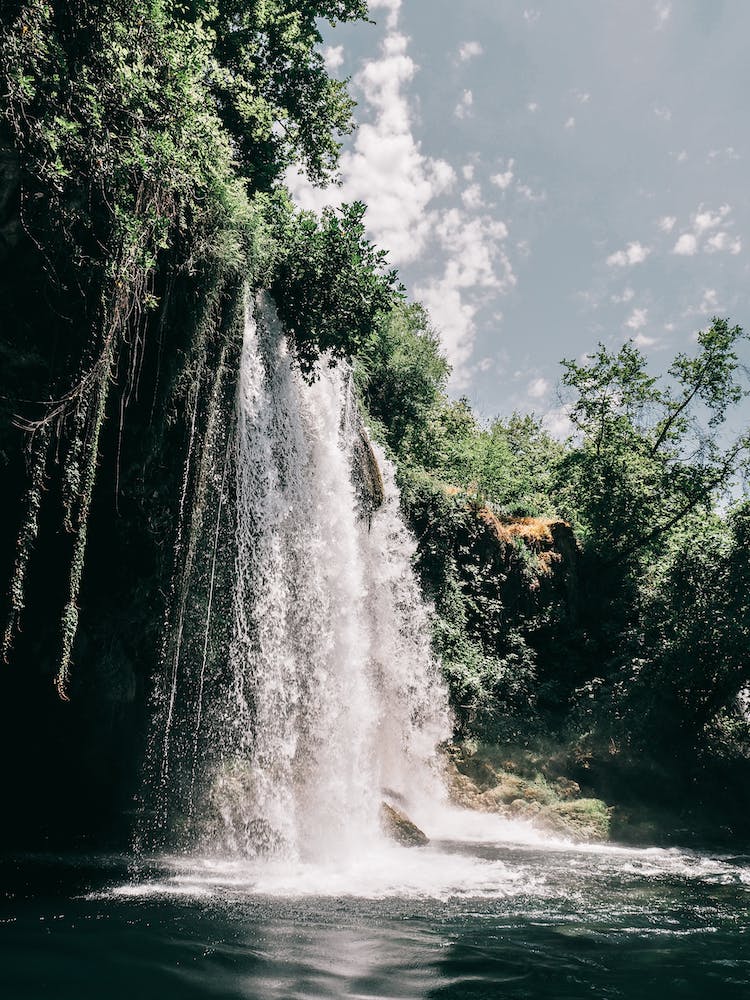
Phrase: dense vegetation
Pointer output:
(144, 144)
(592, 593)
(624, 641)
(141, 150)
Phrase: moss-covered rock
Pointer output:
(585, 819)
(478, 780)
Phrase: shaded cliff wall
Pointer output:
(73, 767)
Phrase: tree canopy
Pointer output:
(650, 448)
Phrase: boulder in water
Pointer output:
(400, 828)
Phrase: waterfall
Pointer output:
(331, 693)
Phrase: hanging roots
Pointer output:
(78, 416)
(89, 455)
(27, 535)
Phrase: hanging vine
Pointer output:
(89, 457)
(150, 139)
(27, 535)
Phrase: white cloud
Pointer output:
(529, 194)
(464, 255)
(717, 242)
(334, 57)
(626, 295)
(728, 153)
(386, 167)
(709, 305)
(686, 245)
(464, 106)
(641, 340)
(474, 245)
(505, 179)
(469, 50)
(538, 388)
(634, 253)
(472, 197)
(663, 13)
(531, 16)
(532, 106)
(705, 219)
(557, 421)
(570, 123)
(455, 318)
(637, 319)
(723, 241)
(667, 223)
(582, 96)
(392, 6)
(476, 264)
(662, 112)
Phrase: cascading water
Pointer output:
(332, 693)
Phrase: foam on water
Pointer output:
(531, 874)
(472, 855)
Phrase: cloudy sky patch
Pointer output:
(550, 176)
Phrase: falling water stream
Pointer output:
(335, 693)
(278, 750)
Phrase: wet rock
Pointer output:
(462, 790)
(400, 828)
(391, 796)
(366, 474)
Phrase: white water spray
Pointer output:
(336, 695)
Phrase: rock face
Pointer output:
(478, 780)
(400, 828)
(366, 475)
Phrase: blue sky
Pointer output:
(552, 175)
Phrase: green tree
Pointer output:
(649, 450)
(270, 82)
(694, 646)
(145, 140)
(509, 463)
(402, 374)
(330, 282)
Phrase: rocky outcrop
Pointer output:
(477, 781)
(549, 539)
(400, 828)
(366, 474)
(512, 566)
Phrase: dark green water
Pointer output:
(455, 920)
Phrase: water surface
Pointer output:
(452, 920)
